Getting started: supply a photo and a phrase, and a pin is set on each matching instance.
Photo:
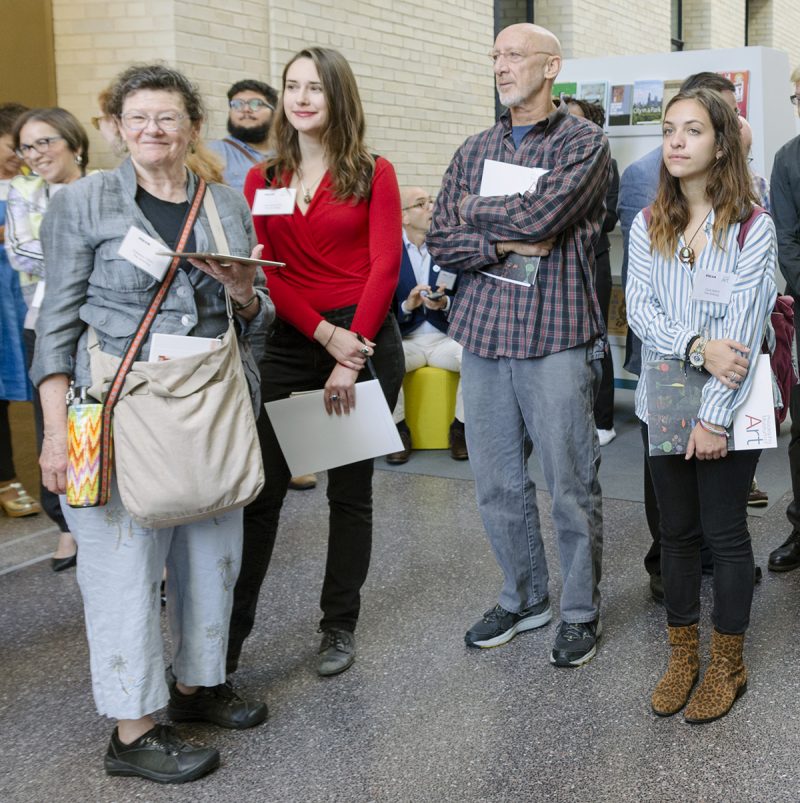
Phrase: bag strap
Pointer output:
(241, 150)
(136, 343)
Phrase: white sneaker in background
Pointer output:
(605, 436)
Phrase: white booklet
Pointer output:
(172, 347)
(312, 441)
(504, 178)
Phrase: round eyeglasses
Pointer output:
(254, 104)
(167, 121)
(39, 145)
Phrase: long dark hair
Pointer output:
(351, 164)
(728, 183)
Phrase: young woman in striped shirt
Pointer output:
(688, 237)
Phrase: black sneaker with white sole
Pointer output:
(575, 643)
(499, 625)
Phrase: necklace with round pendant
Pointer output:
(686, 253)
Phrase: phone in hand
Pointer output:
(434, 295)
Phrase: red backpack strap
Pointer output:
(647, 213)
(746, 224)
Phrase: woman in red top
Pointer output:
(341, 245)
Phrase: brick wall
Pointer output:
(775, 23)
(714, 24)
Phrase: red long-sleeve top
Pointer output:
(337, 254)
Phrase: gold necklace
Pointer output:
(686, 253)
(307, 191)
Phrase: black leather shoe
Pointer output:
(220, 705)
(337, 651)
(61, 564)
(787, 556)
(657, 588)
(159, 755)
(398, 458)
(458, 442)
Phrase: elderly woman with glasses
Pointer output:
(54, 145)
(91, 285)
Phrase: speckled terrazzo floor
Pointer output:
(419, 717)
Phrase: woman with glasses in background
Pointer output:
(55, 146)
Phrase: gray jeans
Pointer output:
(544, 403)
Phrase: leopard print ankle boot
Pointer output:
(723, 684)
(673, 689)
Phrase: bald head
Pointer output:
(539, 38)
(417, 213)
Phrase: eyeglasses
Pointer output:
(515, 56)
(254, 104)
(168, 121)
(95, 121)
(795, 99)
(40, 146)
(421, 204)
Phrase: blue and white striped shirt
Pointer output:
(662, 314)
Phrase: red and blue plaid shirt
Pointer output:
(492, 318)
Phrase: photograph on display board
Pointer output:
(619, 105)
(647, 102)
(671, 88)
(593, 91)
(565, 88)
(741, 80)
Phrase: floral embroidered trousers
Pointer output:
(120, 567)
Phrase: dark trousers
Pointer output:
(793, 511)
(706, 499)
(294, 363)
(7, 471)
(49, 500)
(604, 401)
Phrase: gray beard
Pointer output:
(253, 135)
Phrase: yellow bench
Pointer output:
(430, 404)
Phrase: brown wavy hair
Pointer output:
(729, 185)
(351, 164)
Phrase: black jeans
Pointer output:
(793, 511)
(706, 499)
(7, 470)
(49, 500)
(291, 363)
(604, 401)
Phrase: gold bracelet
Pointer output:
(237, 306)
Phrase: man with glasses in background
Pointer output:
(251, 104)
(421, 303)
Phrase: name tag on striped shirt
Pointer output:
(713, 286)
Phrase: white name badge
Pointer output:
(145, 252)
(713, 286)
(446, 279)
(274, 202)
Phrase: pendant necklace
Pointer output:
(686, 253)
(307, 191)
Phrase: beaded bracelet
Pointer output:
(333, 332)
(722, 432)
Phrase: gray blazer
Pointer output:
(88, 284)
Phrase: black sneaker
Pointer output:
(220, 705)
(159, 755)
(576, 643)
(499, 625)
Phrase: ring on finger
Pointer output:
(734, 376)
(364, 350)
(334, 397)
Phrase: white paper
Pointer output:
(171, 347)
(145, 252)
(38, 295)
(754, 421)
(504, 178)
(446, 279)
(312, 441)
(274, 202)
(713, 286)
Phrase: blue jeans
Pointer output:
(544, 403)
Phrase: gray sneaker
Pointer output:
(337, 651)
(499, 625)
(575, 643)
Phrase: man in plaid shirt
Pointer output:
(531, 353)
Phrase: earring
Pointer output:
(192, 147)
(78, 159)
